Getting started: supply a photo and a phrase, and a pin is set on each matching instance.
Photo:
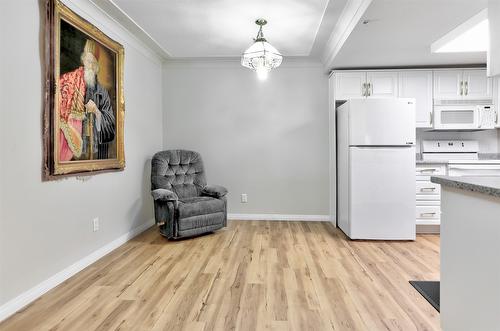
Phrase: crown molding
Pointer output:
(122, 18)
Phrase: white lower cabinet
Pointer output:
(426, 190)
(428, 194)
(426, 170)
(428, 214)
(428, 197)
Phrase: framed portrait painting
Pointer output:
(84, 107)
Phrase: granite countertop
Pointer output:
(489, 185)
(482, 158)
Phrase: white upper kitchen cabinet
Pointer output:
(382, 84)
(350, 85)
(359, 84)
(417, 84)
(477, 85)
(448, 84)
(462, 84)
(494, 42)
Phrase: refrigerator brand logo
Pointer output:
(409, 143)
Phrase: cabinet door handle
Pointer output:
(428, 170)
(466, 87)
(428, 214)
(370, 89)
(431, 119)
(427, 189)
(461, 88)
(363, 90)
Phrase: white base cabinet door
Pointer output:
(470, 267)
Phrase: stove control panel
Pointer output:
(450, 146)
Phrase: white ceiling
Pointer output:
(221, 28)
(401, 33)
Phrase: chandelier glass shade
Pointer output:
(261, 56)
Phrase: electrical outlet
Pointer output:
(95, 223)
(244, 198)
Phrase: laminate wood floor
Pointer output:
(249, 276)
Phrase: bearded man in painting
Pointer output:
(86, 117)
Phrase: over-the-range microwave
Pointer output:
(464, 117)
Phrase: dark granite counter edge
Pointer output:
(455, 182)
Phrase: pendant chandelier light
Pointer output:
(261, 56)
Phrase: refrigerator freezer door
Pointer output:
(381, 122)
(382, 193)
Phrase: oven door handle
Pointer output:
(474, 166)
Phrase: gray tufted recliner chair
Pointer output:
(184, 204)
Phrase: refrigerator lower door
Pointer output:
(382, 193)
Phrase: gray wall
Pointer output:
(46, 226)
(267, 139)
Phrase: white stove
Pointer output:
(446, 150)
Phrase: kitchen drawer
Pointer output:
(424, 171)
(428, 188)
(428, 212)
(422, 197)
(474, 170)
(428, 203)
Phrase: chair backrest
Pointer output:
(180, 171)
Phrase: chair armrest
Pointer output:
(164, 195)
(215, 191)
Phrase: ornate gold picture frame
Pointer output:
(84, 106)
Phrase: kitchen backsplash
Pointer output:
(488, 139)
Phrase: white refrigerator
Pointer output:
(376, 169)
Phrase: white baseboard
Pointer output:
(32, 294)
(278, 217)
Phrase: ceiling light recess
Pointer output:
(470, 36)
(261, 56)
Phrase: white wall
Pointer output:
(46, 226)
(267, 139)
